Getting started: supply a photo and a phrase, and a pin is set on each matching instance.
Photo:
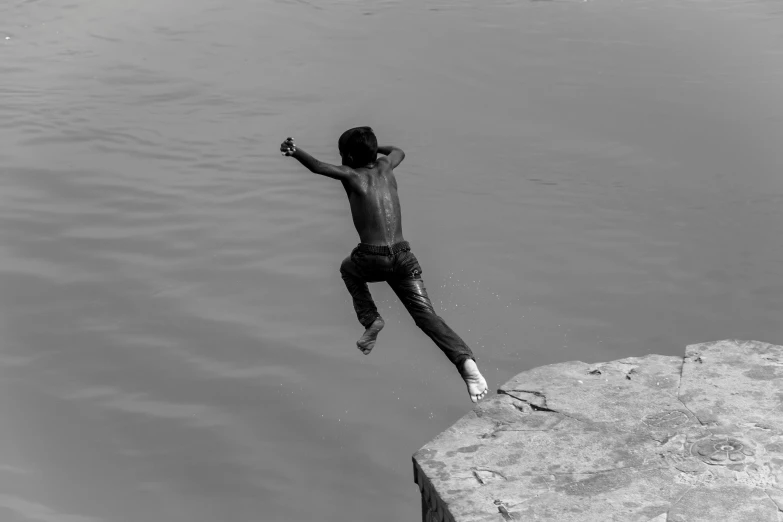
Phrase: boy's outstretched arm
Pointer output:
(289, 148)
(394, 154)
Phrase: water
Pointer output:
(584, 180)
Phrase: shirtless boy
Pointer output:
(383, 254)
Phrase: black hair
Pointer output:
(359, 146)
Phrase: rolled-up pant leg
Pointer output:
(414, 296)
(365, 308)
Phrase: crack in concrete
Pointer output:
(773, 501)
(531, 392)
(600, 471)
(678, 501)
(476, 470)
(500, 430)
(679, 384)
(535, 406)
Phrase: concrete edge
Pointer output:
(431, 503)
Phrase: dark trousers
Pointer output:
(399, 268)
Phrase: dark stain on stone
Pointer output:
(436, 464)
(595, 485)
(593, 427)
(539, 481)
(650, 512)
(510, 461)
(620, 454)
(774, 447)
(426, 454)
(666, 419)
(691, 394)
(761, 373)
(469, 449)
(534, 421)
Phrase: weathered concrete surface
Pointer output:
(648, 439)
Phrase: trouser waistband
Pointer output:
(383, 250)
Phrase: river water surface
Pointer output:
(584, 180)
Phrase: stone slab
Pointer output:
(647, 439)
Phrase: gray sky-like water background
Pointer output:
(584, 180)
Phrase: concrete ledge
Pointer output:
(647, 439)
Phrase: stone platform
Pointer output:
(649, 439)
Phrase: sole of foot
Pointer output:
(366, 343)
(477, 386)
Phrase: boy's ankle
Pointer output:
(461, 366)
(374, 322)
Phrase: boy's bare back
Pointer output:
(375, 205)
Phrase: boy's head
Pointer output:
(358, 147)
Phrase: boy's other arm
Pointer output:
(344, 174)
(394, 154)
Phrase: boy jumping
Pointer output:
(383, 254)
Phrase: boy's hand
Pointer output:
(288, 147)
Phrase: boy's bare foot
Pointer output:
(367, 341)
(477, 386)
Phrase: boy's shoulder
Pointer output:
(384, 164)
(381, 165)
